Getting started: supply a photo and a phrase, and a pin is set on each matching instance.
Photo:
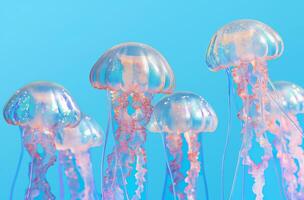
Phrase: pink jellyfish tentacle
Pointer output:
(130, 137)
(193, 172)
(251, 79)
(143, 109)
(41, 147)
(174, 145)
(122, 156)
(287, 162)
(141, 172)
(294, 137)
(288, 166)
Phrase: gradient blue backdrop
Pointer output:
(60, 40)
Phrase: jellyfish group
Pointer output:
(55, 131)
(51, 122)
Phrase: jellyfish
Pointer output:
(245, 46)
(41, 109)
(181, 117)
(74, 144)
(289, 98)
(133, 73)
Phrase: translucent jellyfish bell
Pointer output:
(182, 112)
(290, 96)
(42, 104)
(133, 67)
(243, 41)
(85, 135)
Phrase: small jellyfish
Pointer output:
(133, 73)
(289, 98)
(74, 144)
(245, 46)
(40, 109)
(182, 116)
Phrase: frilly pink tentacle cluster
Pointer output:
(130, 137)
(252, 79)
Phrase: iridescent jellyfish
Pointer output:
(289, 99)
(181, 117)
(247, 45)
(41, 109)
(133, 73)
(74, 144)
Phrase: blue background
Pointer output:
(60, 41)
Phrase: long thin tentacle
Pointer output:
(228, 134)
(168, 171)
(235, 173)
(105, 146)
(17, 169)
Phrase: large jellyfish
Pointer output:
(133, 73)
(247, 45)
(74, 144)
(289, 99)
(41, 109)
(182, 116)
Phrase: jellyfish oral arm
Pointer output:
(193, 172)
(174, 146)
(78, 170)
(84, 165)
(130, 137)
(251, 80)
(67, 159)
(141, 171)
(41, 147)
(290, 153)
